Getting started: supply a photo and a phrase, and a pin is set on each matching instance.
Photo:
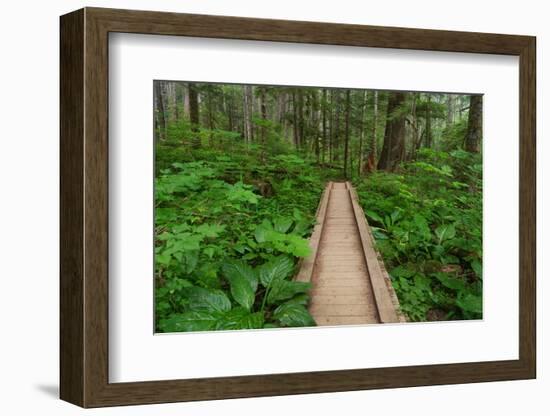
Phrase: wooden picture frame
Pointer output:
(84, 207)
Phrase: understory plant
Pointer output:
(229, 232)
(427, 222)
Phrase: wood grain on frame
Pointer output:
(84, 207)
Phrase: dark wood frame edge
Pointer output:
(84, 204)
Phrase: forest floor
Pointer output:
(232, 224)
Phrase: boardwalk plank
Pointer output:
(343, 290)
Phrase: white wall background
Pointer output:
(29, 214)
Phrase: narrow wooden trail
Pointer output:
(350, 283)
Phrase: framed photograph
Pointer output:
(255, 207)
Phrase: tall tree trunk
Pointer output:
(228, 101)
(172, 101)
(415, 130)
(336, 138)
(346, 142)
(159, 111)
(298, 118)
(428, 131)
(177, 87)
(280, 108)
(301, 118)
(263, 110)
(186, 110)
(210, 105)
(247, 114)
(331, 135)
(315, 121)
(324, 116)
(394, 134)
(450, 110)
(371, 161)
(362, 132)
(194, 114)
(295, 121)
(475, 121)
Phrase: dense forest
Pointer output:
(239, 173)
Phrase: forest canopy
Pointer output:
(239, 173)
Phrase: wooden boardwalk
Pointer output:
(350, 283)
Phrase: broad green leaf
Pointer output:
(278, 268)
(241, 248)
(240, 192)
(253, 321)
(450, 282)
(163, 258)
(402, 272)
(189, 321)
(477, 268)
(283, 224)
(298, 246)
(191, 260)
(210, 230)
(240, 318)
(422, 226)
(209, 251)
(211, 300)
(293, 315)
(395, 215)
(262, 231)
(301, 299)
(301, 227)
(297, 214)
(283, 290)
(374, 216)
(187, 242)
(470, 303)
(445, 232)
(173, 285)
(446, 170)
(232, 268)
(241, 290)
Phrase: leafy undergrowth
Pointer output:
(229, 231)
(427, 222)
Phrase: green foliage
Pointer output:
(233, 215)
(292, 314)
(427, 221)
(225, 253)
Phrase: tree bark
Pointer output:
(475, 121)
(324, 127)
(362, 132)
(301, 118)
(210, 106)
(159, 112)
(247, 114)
(416, 131)
(428, 131)
(194, 114)
(185, 91)
(336, 137)
(331, 134)
(263, 110)
(450, 110)
(394, 134)
(228, 101)
(172, 101)
(371, 160)
(346, 142)
(315, 122)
